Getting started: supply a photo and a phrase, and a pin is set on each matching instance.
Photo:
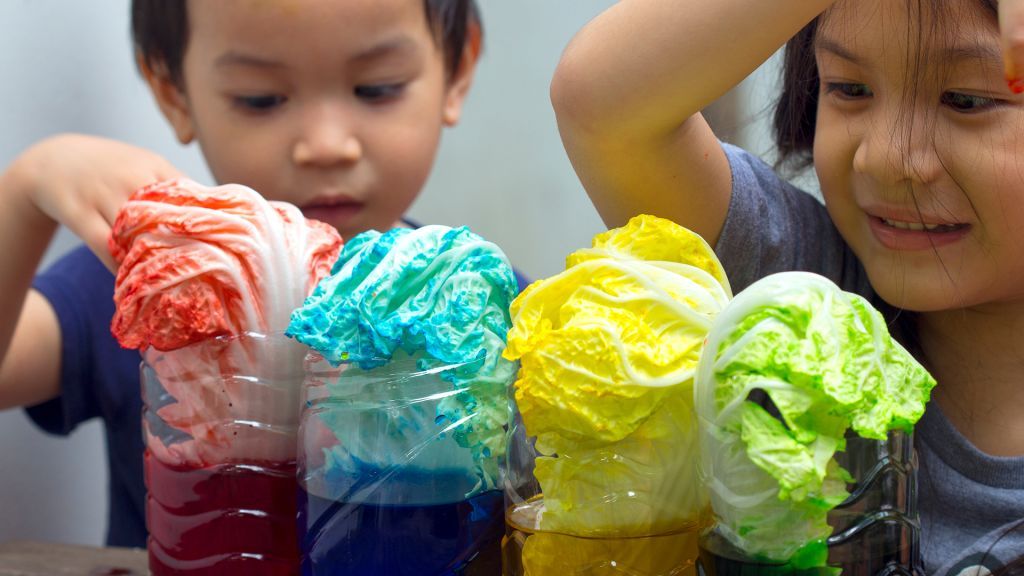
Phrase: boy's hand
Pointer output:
(1011, 25)
(82, 181)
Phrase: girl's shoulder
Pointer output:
(774, 225)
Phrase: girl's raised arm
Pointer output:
(628, 93)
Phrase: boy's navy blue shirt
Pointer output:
(100, 379)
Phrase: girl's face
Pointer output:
(920, 151)
(334, 106)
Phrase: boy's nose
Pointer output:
(898, 149)
(326, 140)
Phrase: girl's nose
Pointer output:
(328, 137)
(898, 147)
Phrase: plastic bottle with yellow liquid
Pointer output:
(602, 468)
(531, 549)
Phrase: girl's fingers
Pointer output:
(1011, 26)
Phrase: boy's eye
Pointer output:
(259, 103)
(848, 90)
(967, 103)
(379, 92)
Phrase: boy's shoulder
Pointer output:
(97, 376)
(522, 281)
(78, 285)
(98, 379)
(78, 264)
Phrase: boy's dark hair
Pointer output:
(160, 31)
(797, 108)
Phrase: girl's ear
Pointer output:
(170, 97)
(462, 78)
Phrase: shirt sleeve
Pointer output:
(772, 226)
(76, 287)
(521, 280)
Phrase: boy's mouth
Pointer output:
(336, 211)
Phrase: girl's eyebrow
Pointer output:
(829, 45)
(974, 51)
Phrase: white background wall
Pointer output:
(66, 65)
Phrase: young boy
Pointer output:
(335, 106)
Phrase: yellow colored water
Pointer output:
(529, 552)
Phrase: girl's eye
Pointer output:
(967, 103)
(379, 92)
(848, 90)
(259, 103)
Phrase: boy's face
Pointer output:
(333, 105)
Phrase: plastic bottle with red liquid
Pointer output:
(220, 420)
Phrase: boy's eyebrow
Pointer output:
(393, 45)
(232, 58)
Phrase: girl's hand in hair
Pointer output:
(1011, 26)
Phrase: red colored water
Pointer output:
(223, 520)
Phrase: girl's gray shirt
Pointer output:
(971, 504)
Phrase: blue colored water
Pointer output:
(370, 539)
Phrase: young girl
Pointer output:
(917, 137)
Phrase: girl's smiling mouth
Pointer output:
(922, 226)
(915, 235)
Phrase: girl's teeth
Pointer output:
(917, 226)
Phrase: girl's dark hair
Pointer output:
(160, 31)
(797, 108)
(794, 126)
(795, 121)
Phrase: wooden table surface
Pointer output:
(51, 559)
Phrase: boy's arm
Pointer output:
(80, 182)
(25, 233)
(629, 88)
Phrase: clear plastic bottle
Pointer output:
(220, 420)
(875, 530)
(620, 516)
(387, 487)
